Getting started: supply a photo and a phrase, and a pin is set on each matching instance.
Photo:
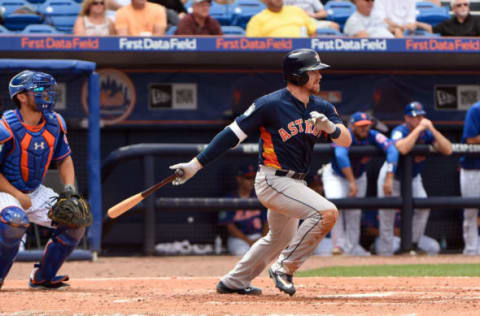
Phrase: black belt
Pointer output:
(293, 175)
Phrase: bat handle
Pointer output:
(179, 173)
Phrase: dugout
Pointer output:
(381, 81)
(185, 90)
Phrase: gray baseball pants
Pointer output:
(288, 200)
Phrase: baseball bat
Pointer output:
(125, 205)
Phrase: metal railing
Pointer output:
(406, 203)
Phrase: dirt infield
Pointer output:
(186, 286)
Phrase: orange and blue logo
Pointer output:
(117, 96)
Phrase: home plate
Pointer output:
(359, 295)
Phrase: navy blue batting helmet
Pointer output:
(42, 84)
(297, 62)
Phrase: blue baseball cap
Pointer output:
(247, 171)
(360, 119)
(414, 108)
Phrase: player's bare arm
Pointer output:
(388, 184)
(406, 144)
(6, 186)
(66, 170)
(237, 233)
(473, 140)
(441, 144)
(353, 190)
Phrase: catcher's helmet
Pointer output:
(42, 84)
(297, 62)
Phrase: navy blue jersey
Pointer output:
(357, 163)
(249, 222)
(425, 137)
(470, 130)
(286, 136)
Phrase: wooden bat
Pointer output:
(125, 205)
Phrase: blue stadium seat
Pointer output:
(221, 13)
(233, 30)
(428, 12)
(9, 6)
(420, 33)
(17, 21)
(61, 13)
(171, 30)
(40, 29)
(4, 30)
(339, 11)
(36, 2)
(328, 32)
(243, 10)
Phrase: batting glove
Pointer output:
(189, 170)
(322, 122)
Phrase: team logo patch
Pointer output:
(40, 145)
(397, 135)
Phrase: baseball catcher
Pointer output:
(32, 136)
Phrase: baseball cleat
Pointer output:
(283, 281)
(337, 251)
(58, 283)
(250, 290)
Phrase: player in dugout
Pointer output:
(290, 121)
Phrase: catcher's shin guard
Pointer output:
(60, 246)
(13, 224)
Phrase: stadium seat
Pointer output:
(17, 21)
(171, 30)
(428, 12)
(243, 10)
(420, 33)
(221, 12)
(328, 32)
(9, 6)
(36, 2)
(61, 13)
(4, 30)
(339, 11)
(233, 30)
(40, 29)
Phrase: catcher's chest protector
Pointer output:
(26, 165)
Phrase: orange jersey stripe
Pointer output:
(24, 144)
(50, 139)
(269, 155)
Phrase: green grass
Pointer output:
(396, 270)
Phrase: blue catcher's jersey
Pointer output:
(27, 151)
(426, 137)
(342, 160)
(471, 129)
(286, 136)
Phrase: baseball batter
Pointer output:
(416, 130)
(31, 137)
(346, 176)
(469, 177)
(289, 120)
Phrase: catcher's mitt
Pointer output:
(71, 210)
